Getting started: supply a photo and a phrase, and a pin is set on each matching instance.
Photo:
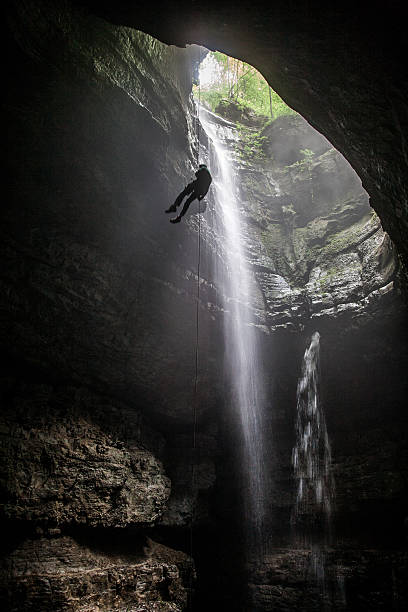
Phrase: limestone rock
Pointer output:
(65, 574)
(342, 69)
(100, 291)
(349, 579)
(317, 248)
(76, 465)
(93, 264)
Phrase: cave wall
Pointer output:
(98, 324)
(323, 262)
(316, 247)
(95, 158)
(98, 315)
(342, 66)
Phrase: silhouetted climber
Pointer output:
(198, 189)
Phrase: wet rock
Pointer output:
(286, 137)
(74, 458)
(93, 263)
(310, 225)
(193, 476)
(233, 111)
(99, 290)
(348, 579)
(64, 574)
(310, 57)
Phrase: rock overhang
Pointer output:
(340, 66)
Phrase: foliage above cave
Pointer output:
(226, 79)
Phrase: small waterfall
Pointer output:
(242, 362)
(311, 459)
(311, 456)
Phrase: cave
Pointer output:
(127, 472)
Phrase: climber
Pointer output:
(198, 189)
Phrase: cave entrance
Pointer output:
(98, 317)
(312, 214)
(225, 81)
(311, 243)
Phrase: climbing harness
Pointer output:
(195, 397)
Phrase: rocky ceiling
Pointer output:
(341, 65)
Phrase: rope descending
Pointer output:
(195, 398)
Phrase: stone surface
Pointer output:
(93, 250)
(98, 298)
(68, 575)
(98, 314)
(317, 249)
(73, 458)
(341, 66)
(353, 580)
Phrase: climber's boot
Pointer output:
(171, 209)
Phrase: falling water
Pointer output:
(242, 362)
(311, 458)
(311, 455)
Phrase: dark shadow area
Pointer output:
(98, 311)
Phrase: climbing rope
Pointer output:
(195, 397)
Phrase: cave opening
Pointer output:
(98, 333)
(328, 220)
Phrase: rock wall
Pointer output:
(72, 457)
(317, 248)
(341, 66)
(64, 574)
(97, 313)
(323, 262)
(98, 331)
(101, 159)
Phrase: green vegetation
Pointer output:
(251, 142)
(307, 154)
(229, 79)
(304, 163)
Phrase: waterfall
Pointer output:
(311, 456)
(311, 459)
(242, 361)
